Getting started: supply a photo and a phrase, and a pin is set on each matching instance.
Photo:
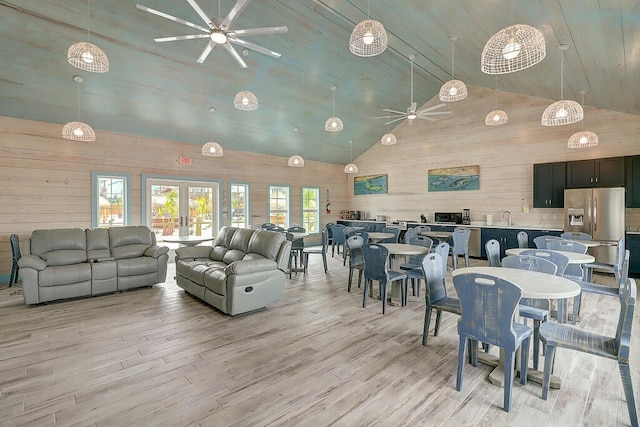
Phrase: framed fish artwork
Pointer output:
(454, 179)
(370, 184)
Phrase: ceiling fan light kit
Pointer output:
(212, 149)
(512, 49)
(563, 112)
(77, 130)
(388, 139)
(453, 90)
(218, 31)
(245, 101)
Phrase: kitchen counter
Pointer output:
(499, 226)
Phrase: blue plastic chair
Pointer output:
(296, 229)
(15, 257)
(436, 298)
(492, 247)
(523, 239)
(395, 231)
(576, 235)
(617, 348)
(376, 267)
(322, 250)
(443, 249)
(460, 246)
(413, 266)
(541, 241)
(488, 308)
(267, 226)
(530, 308)
(422, 229)
(329, 233)
(356, 259)
(338, 238)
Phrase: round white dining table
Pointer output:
(298, 235)
(376, 236)
(187, 240)
(440, 235)
(574, 257)
(404, 249)
(587, 243)
(534, 284)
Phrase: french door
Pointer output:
(182, 207)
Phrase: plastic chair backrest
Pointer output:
(411, 232)
(376, 262)
(267, 225)
(625, 321)
(460, 238)
(422, 229)
(442, 249)
(529, 262)
(523, 239)
(567, 246)
(15, 247)
(488, 307)
(620, 255)
(337, 231)
(560, 260)
(434, 274)
(363, 234)
(296, 229)
(329, 231)
(289, 236)
(395, 231)
(419, 241)
(355, 243)
(492, 248)
(277, 228)
(576, 235)
(541, 241)
(297, 244)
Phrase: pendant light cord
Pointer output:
(88, 19)
(453, 55)
(411, 81)
(561, 76)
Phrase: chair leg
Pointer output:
(576, 309)
(305, 263)
(383, 296)
(466, 260)
(360, 272)
(462, 347)
(437, 328)
(364, 294)
(324, 261)
(425, 328)
(509, 361)
(350, 279)
(548, 361)
(536, 343)
(524, 361)
(473, 353)
(625, 374)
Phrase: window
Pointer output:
(111, 199)
(239, 205)
(310, 209)
(279, 205)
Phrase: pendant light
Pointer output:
(296, 161)
(453, 90)
(87, 56)
(496, 117)
(512, 49)
(388, 138)
(212, 149)
(78, 131)
(563, 112)
(368, 38)
(334, 124)
(583, 139)
(351, 167)
(245, 101)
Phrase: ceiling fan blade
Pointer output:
(235, 55)
(402, 113)
(390, 116)
(235, 11)
(259, 31)
(172, 18)
(395, 120)
(433, 107)
(432, 113)
(206, 51)
(174, 38)
(431, 119)
(200, 12)
(255, 47)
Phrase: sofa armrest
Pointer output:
(155, 251)
(32, 261)
(250, 266)
(193, 252)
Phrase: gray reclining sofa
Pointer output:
(243, 271)
(72, 262)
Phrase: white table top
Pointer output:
(377, 235)
(298, 235)
(533, 283)
(404, 249)
(574, 258)
(437, 234)
(587, 243)
(187, 240)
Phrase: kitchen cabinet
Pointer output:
(507, 237)
(633, 245)
(548, 185)
(596, 173)
(632, 166)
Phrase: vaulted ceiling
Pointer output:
(159, 90)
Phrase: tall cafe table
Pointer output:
(401, 249)
(187, 240)
(534, 285)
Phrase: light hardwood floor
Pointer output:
(157, 356)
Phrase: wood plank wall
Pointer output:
(46, 180)
(506, 155)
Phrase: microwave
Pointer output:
(447, 217)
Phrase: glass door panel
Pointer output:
(165, 211)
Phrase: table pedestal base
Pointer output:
(496, 377)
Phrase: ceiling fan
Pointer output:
(411, 112)
(219, 31)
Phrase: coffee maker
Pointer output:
(466, 217)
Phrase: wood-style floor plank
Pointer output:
(157, 356)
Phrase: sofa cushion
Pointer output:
(137, 266)
(98, 244)
(215, 280)
(63, 246)
(65, 275)
(264, 243)
(129, 242)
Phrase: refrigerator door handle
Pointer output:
(595, 213)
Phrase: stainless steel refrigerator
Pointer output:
(599, 212)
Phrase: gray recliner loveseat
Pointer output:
(72, 262)
(243, 271)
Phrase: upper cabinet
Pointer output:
(548, 185)
(596, 173)
(633, 181)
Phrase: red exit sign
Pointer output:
(184, 161)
